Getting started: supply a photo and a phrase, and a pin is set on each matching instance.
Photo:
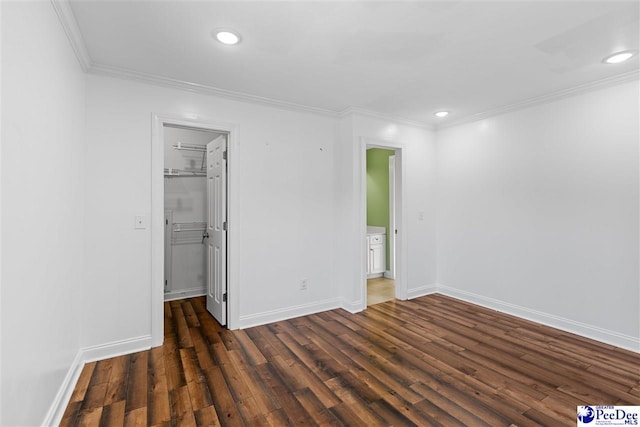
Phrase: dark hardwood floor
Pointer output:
(429, 361)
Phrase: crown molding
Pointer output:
(550, 97)
(70, 25)
(386, 117)
(101, 69)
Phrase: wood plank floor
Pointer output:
(380, 290)
(429, 361)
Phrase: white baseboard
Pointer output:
(184, 293)
(567, 325)
(388, 275)
(86, 355)
(287, 313)
(116, 348)
(351, 306)
(422, 291)
(59, 405)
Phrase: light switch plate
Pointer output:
(140, 222)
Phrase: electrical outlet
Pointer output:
(303, 285)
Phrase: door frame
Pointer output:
(158, 121)
(392, 218)
(400, 217)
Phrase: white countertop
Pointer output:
(371, 229)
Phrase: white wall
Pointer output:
(419, 148)
(538, 213)
(346, 216)
(43, 90)
(285, 228)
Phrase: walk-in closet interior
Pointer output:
(185, 201)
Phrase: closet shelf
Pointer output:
(189, 147)
(186, 233)
(189, 226)
(173, 172)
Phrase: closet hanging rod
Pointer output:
(189, 226)
(177, 230)
(183, 172)
(189, 147)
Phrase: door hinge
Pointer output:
(224, 226)
(165, 282)
(166, 222)
(224, 297)
(224, 155)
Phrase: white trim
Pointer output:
(116, 348)
(1, 212)
(70, 25)
(288, 313)
(391, 234)
(157, 217)
(61, 401)
(422, 291)
(184, 293)
(352, 307)
(119, 348)
(84, 356)
(101, 69)
(549, 97)
(156, 287)
(401, 217)
(385, 117)
(564, 324)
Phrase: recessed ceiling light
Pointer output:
(442, 114)
(227, 37)
(619, 57)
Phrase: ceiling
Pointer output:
(395, 58)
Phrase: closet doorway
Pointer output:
(191, 226)
(185, 211)
(195, 209)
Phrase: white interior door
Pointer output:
(216, 235)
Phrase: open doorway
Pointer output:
(193, 211)
(195, 216)
(380, 225)
(185, 210)
(382, 219)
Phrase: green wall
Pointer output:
(378, 190)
